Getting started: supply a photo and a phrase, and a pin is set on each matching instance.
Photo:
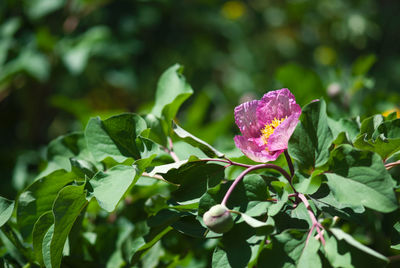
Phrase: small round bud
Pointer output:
(218, 219)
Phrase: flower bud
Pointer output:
(218, 219)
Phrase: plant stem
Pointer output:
(290, 163)
(271, 166)
(315, 223)
(392, 165)
(170, 150)
(249, 169)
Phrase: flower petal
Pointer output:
(276, 104)
(255, 152)
(246, 119)
(280, 138)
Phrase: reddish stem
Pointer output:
(244, 173)
(170, 150)
(271, 166)
(315, 223)
(392, 165)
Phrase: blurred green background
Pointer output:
(63, 61)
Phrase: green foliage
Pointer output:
(117, 195)
(310, 142)
(6, 209)
(130, 189)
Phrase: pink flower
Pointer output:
(266, 125)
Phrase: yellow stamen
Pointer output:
(270, 128)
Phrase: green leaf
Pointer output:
(219, 259)
(325, 200)
(348, 128)
(380, 137)
(301, 213)
(115, 137)
(6, 209)
(360, 178)
(276, 208)
(11, 246)
(46, 244)
(67, 207)
(311, 140)
(194, 179)
(309, 257)
(188, 225)
(38, 198)
(284, 250)
(254, 222)
(340, 235)
(110, 186)
(257, 208)
(196, 142)
(172, 91)
(370, 124)
(61, 150)
(238, 247)
(146, 238)
(151, 258)
(40, 229)
(251, 188)
(164, 169)
(156, 127)
(308, 185)
(333, 255)
(396, 237)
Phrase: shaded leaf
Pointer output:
(309, 257)
(6, 209)
(340, 235)
(40, 229)
(332, 253)
(254, 222)
(115, 137)
(251, 188)
(194, 178)
(38, 198)
(67, 207)
(380, 137)
(363, 175)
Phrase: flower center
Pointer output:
(270, 128)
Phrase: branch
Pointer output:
(392, 165)
(290, 163)
(260, 166)
(170, 150)
(315, 223)
(249, 169)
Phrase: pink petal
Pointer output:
(280, 138)
(246, 119)
(276, 104)
(255, 152)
